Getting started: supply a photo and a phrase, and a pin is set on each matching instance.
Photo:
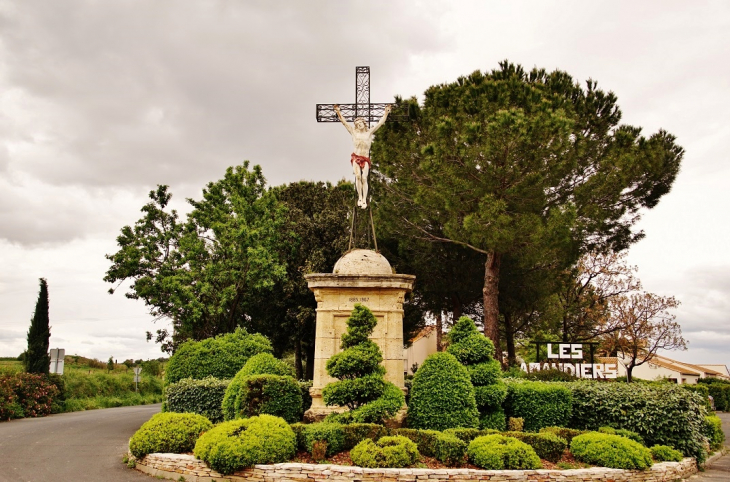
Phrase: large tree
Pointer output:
(37, 359)
(199, 273)
(511, 160)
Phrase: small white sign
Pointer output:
(57, 357)
(137, 379)
(137, 370)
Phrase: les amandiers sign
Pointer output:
(569, 358)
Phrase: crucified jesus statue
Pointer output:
(362, 139)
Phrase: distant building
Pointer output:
(679, 372)
(423, 344)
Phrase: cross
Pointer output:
(362, 106)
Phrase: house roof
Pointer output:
(426, 331)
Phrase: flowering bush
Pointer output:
(26, 395)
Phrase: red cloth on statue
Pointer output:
(360, 160)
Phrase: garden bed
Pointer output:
(175, 466)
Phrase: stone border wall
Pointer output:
(174, 466)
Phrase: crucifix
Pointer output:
(361, 114)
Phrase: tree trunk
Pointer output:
(509, 338)
(629, 369)
(491, 300)
(456, 307)
(439, 332)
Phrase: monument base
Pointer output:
(360, 277)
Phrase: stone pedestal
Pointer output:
(365, 277)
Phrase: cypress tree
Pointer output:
(37, 359)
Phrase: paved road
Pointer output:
(74, 447)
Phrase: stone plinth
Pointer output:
(365, 277)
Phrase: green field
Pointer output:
(89, 384)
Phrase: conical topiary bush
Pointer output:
(361, 385)
(476, 353)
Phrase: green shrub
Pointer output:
(611, 451)
(713, 431)
(623, 433)
(269, 394)
(442, 395)
(361, 386)
(662, 414)
(220, 357)
(259, 364)
(331, 433)
(496, 420)
(396, 451)
(562, 432)
(464, 434)
(203, 397)
(475, 351)
(703, 391)
(663, 453)
(720, 393)
(27, 395)
(547, 445)
(168, 433)
(304, 386)
(357, 432)
(237, 444)
(497, 452)
(540, 404)
(444, 447)
(516, 424)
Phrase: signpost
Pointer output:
(137, 371)
(568, 357)
(57, 356)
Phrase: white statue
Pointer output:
(362, 139)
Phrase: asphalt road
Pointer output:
(74, 447)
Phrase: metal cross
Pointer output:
(362, 106)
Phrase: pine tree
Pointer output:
(37, 359)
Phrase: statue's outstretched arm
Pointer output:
(342, 119)
(382, 119)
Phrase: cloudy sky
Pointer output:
(101, 101)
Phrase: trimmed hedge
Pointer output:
(444, 447)
(713, 431)
(357, 432)
(220, 357)
(661, 414)
(442, 395)
(269, 394)
(720, 393)
(562, 432)
(237, 444)
(259, 364)
(395, 452)
(333, 434)
(496, 420)
(663, 453)
(547, 445)
(540, 404)
(703, 391)
(168, 433)
(203, 397)
(611, 451)
(497, 452)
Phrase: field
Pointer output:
(88, 384)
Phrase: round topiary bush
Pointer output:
(476, 352)
(203, 397)
(497, 452)
(612, 451)
(665, 453)
(442, 395)
(168, 433)
(237, 444)
(361, 386)
(395, 452)
(220, 357)
(260, 364)
(331, 434)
